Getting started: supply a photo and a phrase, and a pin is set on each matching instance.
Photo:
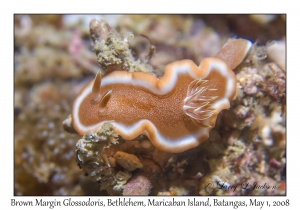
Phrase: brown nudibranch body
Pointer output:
(176, 112)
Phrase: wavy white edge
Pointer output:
(173, 145)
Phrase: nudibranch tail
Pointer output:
(234, 52)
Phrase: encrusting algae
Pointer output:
(229, 137)
(113, 51)
(93, 161)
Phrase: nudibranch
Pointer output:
(176, 112)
